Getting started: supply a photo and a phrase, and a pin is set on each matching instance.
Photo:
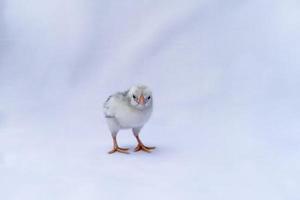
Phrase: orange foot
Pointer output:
(141, 147)
(119, 149)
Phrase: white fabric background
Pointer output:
(225, 77)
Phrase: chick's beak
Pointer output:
(141, 100)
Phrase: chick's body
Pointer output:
(121, 115)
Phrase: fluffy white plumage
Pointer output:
(129, 109)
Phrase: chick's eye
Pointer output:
(149, 98)
(133, 96)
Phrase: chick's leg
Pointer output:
(141, 146)
(116, 148)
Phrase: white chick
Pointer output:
(129, 110)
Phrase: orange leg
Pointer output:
(141, 146)
(116, 148)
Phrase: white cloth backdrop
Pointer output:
(225, 77)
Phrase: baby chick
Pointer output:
(129, 110)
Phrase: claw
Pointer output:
(149, 148)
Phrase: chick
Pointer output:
(129, 110)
